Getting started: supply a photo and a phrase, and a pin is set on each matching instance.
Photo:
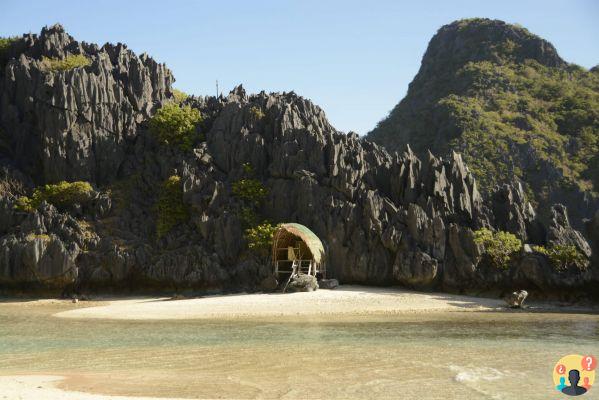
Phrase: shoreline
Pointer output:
(345, 304)
(47, 387)
(344, 301)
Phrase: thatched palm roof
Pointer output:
(305, 234)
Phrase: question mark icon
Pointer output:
(560, 369)
(588, 363)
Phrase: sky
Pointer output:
(355, 59)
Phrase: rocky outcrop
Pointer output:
(560, 231)
(463, 98)
(385, 218)
(76, 124)
(43, 249)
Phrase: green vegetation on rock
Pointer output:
(5, 45)
(259, 237)
(503, 98)
(249, 190)
(179, 96)
(177, 126)
(61, 195)
(563, 256)
(256, 113)
(64, 64)
(171, 209)
(499, 246)
(252, 192)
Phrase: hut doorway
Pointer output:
(296, 249)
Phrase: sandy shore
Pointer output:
(345, 300)
(43, 387)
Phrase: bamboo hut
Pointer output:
(296, 249)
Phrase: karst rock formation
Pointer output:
(385, 218)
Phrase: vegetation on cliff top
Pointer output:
(503, 98)
(176, 125)
(64, 64)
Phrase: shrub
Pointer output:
(171, 208)
(256, 113)
(64, 194)
(6, 42)
(499, 246)
(174, 125)
(563, 256)
(33, 236)
(259, 237)
(63, 64)
(250, 190)
(61, 195)
(179, 96)
(24, 204)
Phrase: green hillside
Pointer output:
(515, 110)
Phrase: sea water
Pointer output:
(451, 355)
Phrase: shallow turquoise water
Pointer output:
(446, 355)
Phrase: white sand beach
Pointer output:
(343, 301)
(44, 387)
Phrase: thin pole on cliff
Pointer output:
(217, 88)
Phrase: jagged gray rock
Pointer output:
(560, 231)
(328, 283)
(74, 124)
(384, 218)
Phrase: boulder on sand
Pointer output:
(302, 283)
(515, 299)
(328, 283)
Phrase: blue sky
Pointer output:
(353, 58)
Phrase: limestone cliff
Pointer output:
(385, 218)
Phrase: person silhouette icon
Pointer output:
(562, 383)
(586, 384)
(574, 389)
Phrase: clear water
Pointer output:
(429, 356)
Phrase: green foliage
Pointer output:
(5, 45)
(175, 125)
(256, 113)
(499, 246)
(6, 42)
(514, 110)
(24, 204)
(61, 195)
(33, 236)
(251, 191)
(64, 194)
(508, 110)
(179, 95)
(171, 209)
(259, 237)
(563, 256)
(64, 64)
(248, 170)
